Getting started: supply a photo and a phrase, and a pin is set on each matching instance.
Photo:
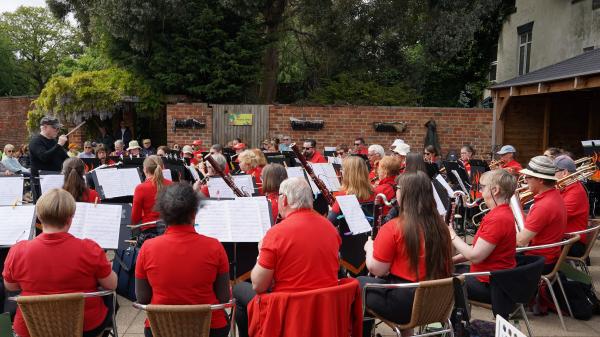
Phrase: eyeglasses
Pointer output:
(341, 153)
(356, 144)
(87, 147)
(286, 139)
(146, 143)
(9, 151)
(427, 153)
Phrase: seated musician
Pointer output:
(182, 266)
(431, 155)
(547, 218)
(355, 180)
(413, 247)
(272, 177)
(375, 153)
(401, 151)
(360, 147)
(387, 171)
(210, 172)
(162, 151)
(250, 164)
(466, 153)
(507, 158)
(119, 149)
(576, 202)
(312, 155)
(134, 149)
(144, 197)
(74, 170)
(101, 155)
(495, 243)
(299, 254)
(188, 153)
(218, 149)
(342, 151)
(262, 159)
(56, 262)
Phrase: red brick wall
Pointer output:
(199, 111)
(342, 124)
(13, 116)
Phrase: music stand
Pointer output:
(590, 147)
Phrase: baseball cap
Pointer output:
(565, 162)
(507, 149)
(402, 149)
(187, 149)
(397, 142)
(52, 121)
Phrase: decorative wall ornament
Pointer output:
(190, 123)
(313, 125)
(396, 127)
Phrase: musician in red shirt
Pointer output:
(272, 177)
(56, 262)
(376, 152)
(183, 267)
(310, 152)
(73, 171)
(299, 254)
(144, 197)
(387, 171)
(466, 153)
(495, 243)
(202, 185)
(355, 180)
(507, 157)
(547, 218)
(576, 203)
(250, 164)
(413, 247)
(360, 147)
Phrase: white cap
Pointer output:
(402, 149)
(397, 142)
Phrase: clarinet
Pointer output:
(452, 211)
(380, 201)
(320, 185)
(226, 178)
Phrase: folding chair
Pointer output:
(433, 303)
(553, 276)
(184, 320)
(58, 314)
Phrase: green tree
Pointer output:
(11, 77)
(40, 42)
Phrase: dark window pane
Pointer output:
(528, 57)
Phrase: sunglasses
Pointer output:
(9, 151)
(307, 148)
(356, 144)
(87, 147)
(427, 153)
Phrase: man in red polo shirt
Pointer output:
(298, 254)
(311, 153)
(375, 153)
(576, 203)
(547, 218)
(360, 147)
(507, 156)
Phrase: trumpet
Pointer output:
(496, 164)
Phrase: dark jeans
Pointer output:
(108, 301)
(221, 332)
(477, 290)
(243, 294)
(392, 304)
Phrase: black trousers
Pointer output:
(392, 304)
(108, 301)
(221, 332)
(477, 290)
(243, 294)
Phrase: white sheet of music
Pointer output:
(244, 182)
(11, 191)
(330, 148)
(118, 182)
(99, 223)
(217, 188)
(167, 174)
(238, 220)
(264, 208)
(444, 183)
(438, 202)
(50, 181)
(355, 217)
(15, 224)
(298, 171)
(327, 174)
(334, 160)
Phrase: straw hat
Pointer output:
(540, 167)
(133, 145)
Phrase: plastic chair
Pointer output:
(529, 265)
(433, 303)
(553, 276)
(184, 320)
(58, 314)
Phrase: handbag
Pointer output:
(124, 266)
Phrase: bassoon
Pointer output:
(320, 185)
(226, 178)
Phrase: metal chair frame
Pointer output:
(579, 262)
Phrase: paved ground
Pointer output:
(130, 321)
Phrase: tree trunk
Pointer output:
(273, 19)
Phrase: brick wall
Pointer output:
(342, 124)
(13, 116)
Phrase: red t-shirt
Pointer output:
(548, 218)
(181, 266)
(373, 172)
(256, 173)
(204, 190)
(362, 150)
(497, 228)
(389, 247)
(273, 198)
(144, 198)
(467, 166)
(578, 208)
(513, 167)
(90, 196)
(336, 207)
(302, 250)
(317, 158)
(386, 187)
(58, 263)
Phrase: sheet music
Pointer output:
(238, 220)
(99, 223)
(327, 174)
(118, 182)
(355, 218)
(334, 160)
(438, 202)
(444, 183)
(167, 174)
(329, 149)
(217, 187)
(15, 224)
(50, 181)
(11, 190)
(264, 207)
(193, 171)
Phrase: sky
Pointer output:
(11, 5)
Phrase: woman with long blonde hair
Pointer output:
(355, 180)
(145, 194)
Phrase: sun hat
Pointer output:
(540, 167)
(133, 145)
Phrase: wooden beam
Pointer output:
(569, 84)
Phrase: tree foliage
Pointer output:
(40, 42)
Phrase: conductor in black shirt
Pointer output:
(45, 151)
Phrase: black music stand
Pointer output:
(590, 147)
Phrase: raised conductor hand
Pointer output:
(62, 140)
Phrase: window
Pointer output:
(525, 36)
(595, 4)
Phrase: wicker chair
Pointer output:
(432, 303)
(183, 320)
(553, 276)
(59, 315)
